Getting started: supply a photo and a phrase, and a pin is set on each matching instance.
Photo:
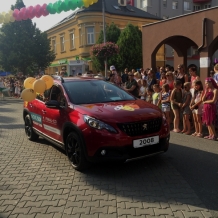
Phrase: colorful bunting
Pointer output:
(44, 10)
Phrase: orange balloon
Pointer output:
(28, 82)
(39, 86)
(28, 95)
(48, 81)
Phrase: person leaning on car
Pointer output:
(131, 85)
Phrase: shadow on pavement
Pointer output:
(200, 169)
(7, 119)
(181, 176)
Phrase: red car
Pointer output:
(94, 120)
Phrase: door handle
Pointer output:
(44, 111)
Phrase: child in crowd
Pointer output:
(156, 97)
(185, 105)
(196, 106)
(165, 101)
(149, 95)
(143, 89)
(17, 89)
(176, 100)
(194, 77)
(209, 99)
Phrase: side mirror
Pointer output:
(52, 104)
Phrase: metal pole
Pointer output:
(104, 33)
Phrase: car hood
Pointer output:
(122, 111)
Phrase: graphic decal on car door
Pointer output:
(37, 119)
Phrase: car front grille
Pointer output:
(142, 127)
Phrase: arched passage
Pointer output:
(180, 45)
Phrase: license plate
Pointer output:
(145, 142)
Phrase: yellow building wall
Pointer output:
(78, 25)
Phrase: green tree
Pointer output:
(130, 45)
(23, 46)
(112, 35)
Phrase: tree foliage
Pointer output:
(130, 45)
(23, 47)
(130, 48)
(112, 34)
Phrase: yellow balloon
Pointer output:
(10, 12)
(7, 18)
(39, 86)
(1, 18)
(12, 19)
(48, 81)
(28, 95)
(86, 3)
(28, 82)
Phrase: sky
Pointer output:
(43, 23)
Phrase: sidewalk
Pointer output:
(37, 181)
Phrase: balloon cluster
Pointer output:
(33, 87)
(6, 17)
(30, 12)
(44, 10)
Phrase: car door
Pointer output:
(53, 118)
(35, 113)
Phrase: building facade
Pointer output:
(171, 8)
(72, 38)
(204, 38)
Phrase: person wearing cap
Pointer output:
(117, 78)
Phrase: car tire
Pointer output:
(31, 135)
(75, 153)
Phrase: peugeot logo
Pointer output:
(145, 126)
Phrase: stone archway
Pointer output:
(180, 44)
(199, 29)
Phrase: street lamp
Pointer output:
(104, 33)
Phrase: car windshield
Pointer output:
(95, 91)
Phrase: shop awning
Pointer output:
(59, 63)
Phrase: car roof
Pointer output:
(60, 79)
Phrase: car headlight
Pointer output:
(97, 124)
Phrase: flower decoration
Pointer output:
(104, 50)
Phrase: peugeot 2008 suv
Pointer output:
(94, 120)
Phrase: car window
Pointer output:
(57, 95)
(95, 91)
(43, 97)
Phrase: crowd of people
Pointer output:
(179, 94)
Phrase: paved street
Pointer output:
(37, 181)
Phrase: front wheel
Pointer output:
(75, 152)
(31, 135)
